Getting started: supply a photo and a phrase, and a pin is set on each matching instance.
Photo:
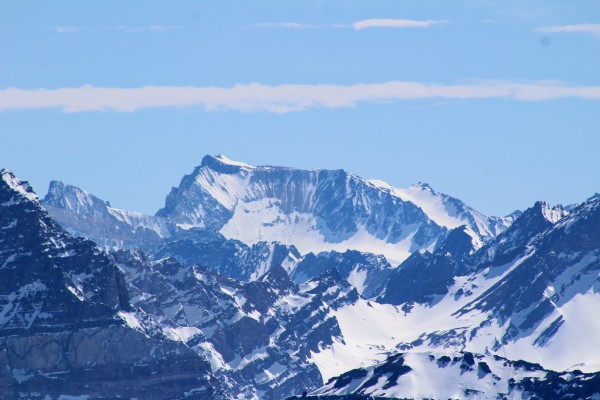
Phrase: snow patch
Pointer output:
(181, 333)
(263, 220)
(357, 279)
(229, 161)
(131, 320)
(21, 375)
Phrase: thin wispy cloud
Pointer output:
(283, 25)
(395, 23)
(141, 29)
(282, 98)
(593, 29)
(490, 21)
(118, 28)
(358, 25)
(66, 29)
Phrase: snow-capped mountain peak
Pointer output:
(18, 185)
(551, 214)
(316, 210)
(71, 198)
(313, 210)
(447, 211)
(84, 214)
(220, 161)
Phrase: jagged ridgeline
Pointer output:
(267, 282)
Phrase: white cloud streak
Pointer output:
(593, 29)
(280, 99)
(394, 23)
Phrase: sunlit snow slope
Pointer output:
(531, 294)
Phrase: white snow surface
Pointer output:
(227, 189)
(429, 201)
(372, 331)
(131, 320)
(263, 220)
(442, 208)
(229, 161)
(574, 346)
(181, 333)
(357, 279)
(553, 214)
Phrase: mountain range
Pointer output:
(264, 282)
(314, 211)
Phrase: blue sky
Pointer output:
(495, 102)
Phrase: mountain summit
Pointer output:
(317, 210)
(84, 214)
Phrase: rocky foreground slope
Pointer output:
(65, 317)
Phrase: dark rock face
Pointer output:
(231, 258)
(459, 243)
(419, 279)
(423, 276)
(49, 279)
(103, 363)
(63, 318)
(259, 335)
(509, 244)
(371, 271)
